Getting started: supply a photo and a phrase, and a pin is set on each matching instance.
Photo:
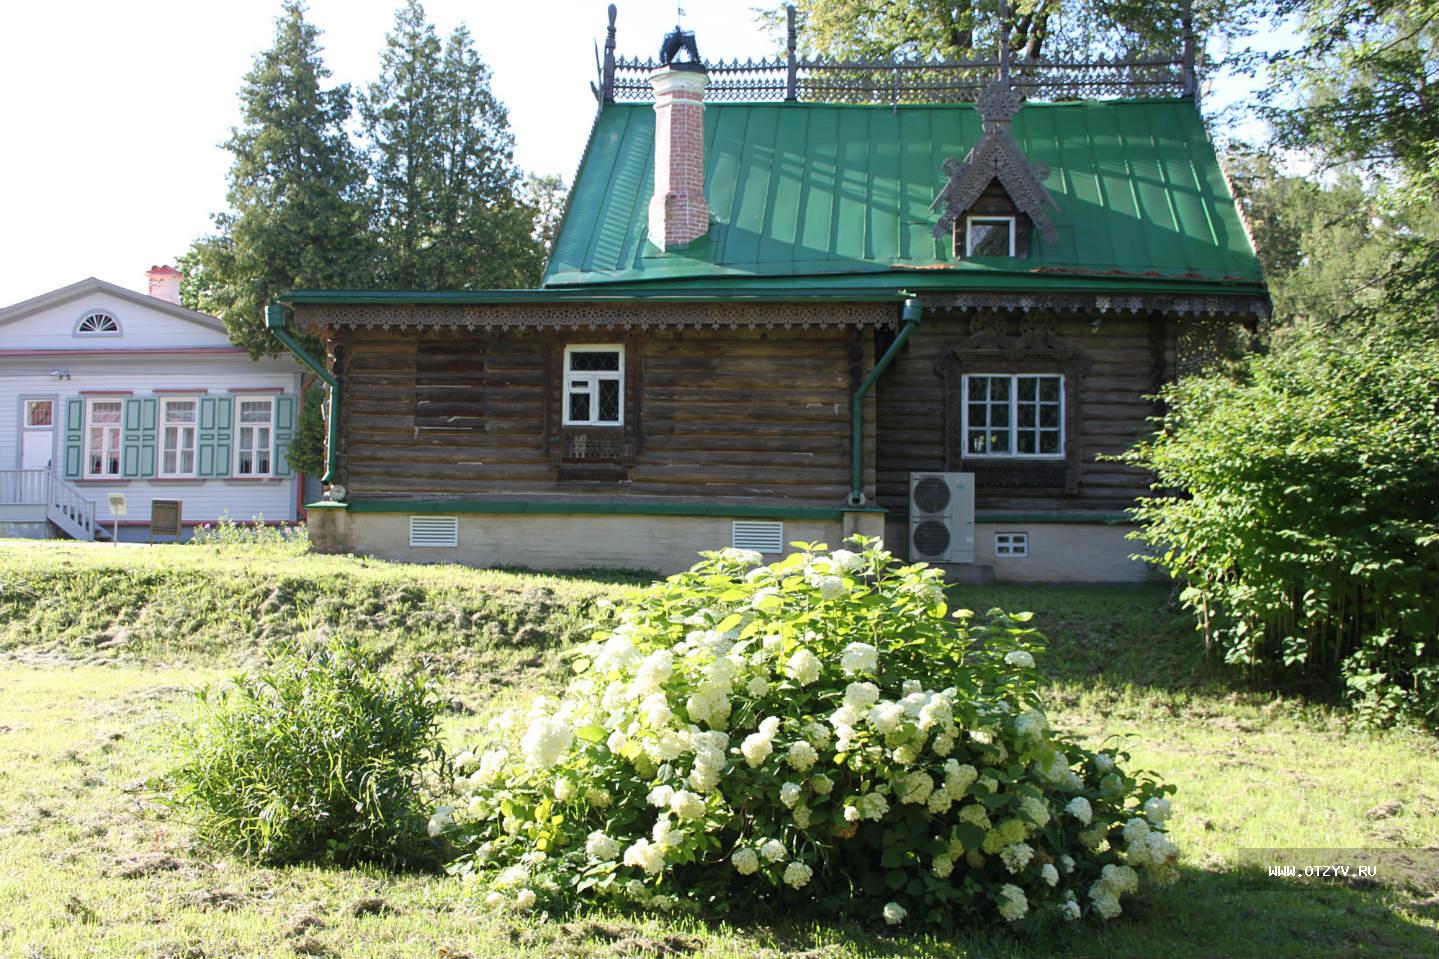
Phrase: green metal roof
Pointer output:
(817, 194)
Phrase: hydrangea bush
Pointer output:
(823, 730)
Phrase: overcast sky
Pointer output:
(112, 112)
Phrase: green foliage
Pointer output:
(320, 757)
(1308, 535)
(307, 448)
(254, 536)
(823, 730)
(447, 212)
(1042, 29)
(297, 211)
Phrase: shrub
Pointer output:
(1308, 535)
(321, 757)
(818, 731)
(225, 531)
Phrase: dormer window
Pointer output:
(985, 236)
(97, 323)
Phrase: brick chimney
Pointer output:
(164, 283)
(678, 211)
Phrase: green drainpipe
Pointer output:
(911, 315)
(277, 323)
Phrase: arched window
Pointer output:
(97, 323)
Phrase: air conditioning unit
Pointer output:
(941, 517)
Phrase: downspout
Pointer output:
(910, 319)
(277, 322)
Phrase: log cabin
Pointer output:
(790, 301)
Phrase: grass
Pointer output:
(91, 865)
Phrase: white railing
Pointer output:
(24, 487)
(70, 511)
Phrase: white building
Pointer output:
(104, 390)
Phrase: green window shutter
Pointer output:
(74, 437)
(214, 437)
(284, 432)
(138, 446)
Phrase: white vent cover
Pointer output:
(435, 531)
(941, 517)
(766, 537)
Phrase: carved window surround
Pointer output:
(1036, 350)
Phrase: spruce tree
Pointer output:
(297, 216)
(448, 210)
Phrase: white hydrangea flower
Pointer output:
(821, 784)
(756, 748)
(1019, 657)
(797, 874)
(757, 687)
(943, 744)
(915, 788)
(886, 717)
(859, 658)
(441, 821)
(852, 813)
(709, 705)
(526, 898)
(772, 850)
(1080, 809)
(1070, 909)
(975, 814)
(655, 709)
(1036, 810)
(660, 796)
(830, 587)
(746, 557)
(687, 805)
(666, 747)
(601, 847)
(1049, 874)
(939, 802)
(846, 561)
(894, 913)
(1015, 857)
(1157, 809)
(860, 696)
(1135, 830)
(790, 794)
(802, 816)
(818, 735)
(1067, 864)
(873, 805)
(958, 778)
(745, 861)
(564, 788)
(904, 755)
(1030, 724)
(494, 898)
(1103, 763)
(491, 764)
(1105, 903)
(1012, 902)
(648, 856)
(546, 741)
(803, 667)
(943, 866)
(801, 755)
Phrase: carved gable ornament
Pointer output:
(996, 157)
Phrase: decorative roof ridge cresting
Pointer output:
(918, 80)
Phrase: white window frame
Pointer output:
(1011, 545)
(194, 448)
(241, 425)
(89, 333)
(119, 430)
(1013, 427)
(970, 221)
(591, 379)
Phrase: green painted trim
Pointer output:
(913, 311)
(1101, 519)
(601, 507)
(278, 324)
(327, 504)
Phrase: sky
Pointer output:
(112, 113)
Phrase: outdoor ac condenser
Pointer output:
(941, 517)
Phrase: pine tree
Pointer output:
(448, 211)
(297, 216)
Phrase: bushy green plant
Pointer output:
(822, 730)
(1307, 535)
(321, 757)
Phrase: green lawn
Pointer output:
(100, 646)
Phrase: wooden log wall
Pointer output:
(1128, 358)
(761, 414)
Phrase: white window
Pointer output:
(1014, 415)
(255, 437)
(594, 386)
(987, 236)
(103, 419)
(97, 323)
(177, 439)
(1014, 545)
